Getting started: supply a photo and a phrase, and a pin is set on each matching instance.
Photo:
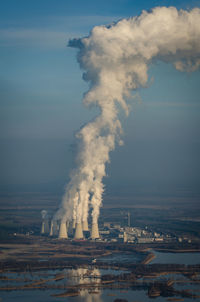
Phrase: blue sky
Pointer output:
(41, 89)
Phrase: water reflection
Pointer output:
(88, 297)
(88, 277)
(83, 275)
(57, 284)
(50, 285)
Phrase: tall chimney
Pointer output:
(79, 231)
(63, 231)
(95, 231)
(85, 225)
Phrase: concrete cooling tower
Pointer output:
(73, 223)
(79, 231)
(55, 228)
(95, 231)
(85, 225)
(42, 228)
(63, 231)
(46, 226)
(51, 229)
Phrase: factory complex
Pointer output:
(108, 232)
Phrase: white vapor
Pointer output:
(44, 214)
(115, 59)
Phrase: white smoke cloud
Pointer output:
(44, 214)
(116, 59)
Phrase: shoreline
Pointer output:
(149, 258)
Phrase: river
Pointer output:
(176, 258)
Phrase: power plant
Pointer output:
(45, 226)
(85, 225)
(63, 231)
(53, 228)
(95, 231)
(79, 231)
(109, 231)
(73, 223)
(42, 228)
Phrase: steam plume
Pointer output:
(44, 214)
(116, 59)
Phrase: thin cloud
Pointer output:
(49, 32)
(33, 38)
(173, 104)
(80, 21)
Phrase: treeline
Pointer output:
(136, 269)
(27, 266)
(151, 268)
(143, 270)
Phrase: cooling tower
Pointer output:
(73, 224)
(55, 228)
(46, 226)
(51, 229)
(79, 231)
(95, 231)
(63, 231)
(42, 228)
(85, 225)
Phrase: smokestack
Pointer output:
(85, 225)
(79, 231)
(63, 231)
(95, 231)
(102, 56)
(42, 228)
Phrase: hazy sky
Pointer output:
(41, 90)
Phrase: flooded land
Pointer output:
(90, 271)
(42, 268)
